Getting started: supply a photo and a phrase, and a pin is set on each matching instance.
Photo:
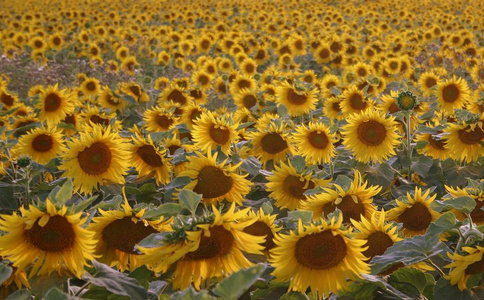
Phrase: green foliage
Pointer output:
(236, 284)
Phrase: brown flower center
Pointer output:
(324, 53)
(56, 236)
(430, 82)
(356, 101)
(149, 156)
(450, 93)
(321, 250)
(471, 137)
(42, 143)
(218, 244)
(163, 121)
(249, 101)
(437, 144)
(52, 102)
(293, 186)
(243, 84)
(349, 208)
(371, 133)
(318, 140)
(7, 99)
(99, 120)
(260, 228)
(96, 159)
(416, 218)
(219, 135)
(295, 98)
(212, 182)
(273, 143)
(475, 268)
(123, 234)
(91, 86)
(378, 242)
(177, 97)
(477, 214)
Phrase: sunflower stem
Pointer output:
(408, 133)
(439, 270)
(82, 288)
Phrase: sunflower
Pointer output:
(242, 82)
(315, 143)
(272, 143)
(109, 100)
(202, 80)
(378, 234)
(332, 109)
(159, 119)
(129, 65)
(210, 131)
(477, 214)
(56, 41)
(464, 140)
(322, 257)
(97, 157)
(215, 181)
(18, 277)
(353, 101)
(42, 144)
(323, 53)
(427, 82)
(371, 136)
(452, 94)
(93, 115)
(287, 186)
(415, 214)
(118, 231)
(91, 86)
(50, 238)
(263, 226)
(175, 94)
(246, 99)
(54, 105)
(214, 249)
(297, 99)
(149, 159)
(463, 266)
(191, 114)
(435, 146)
(134, 90)
(355, 202)
(70, 119)
(248, 67)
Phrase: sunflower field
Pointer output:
(241, 149)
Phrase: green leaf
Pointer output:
(444, 290)
(236, 284)
(5, 272)
(443, 223)
(421, 145)
(411, 281)
(166, 210)
(282, 110)
(143, 275)
(298, 163)
(464, 204)
(156, 287)
(20, 295)
(244, 125)
(190, 200)
(81, 205)
(8, 202)
(303, 215)
(115, 282)
(56, 294)
(267, 207)
(422, 164)
(65, 192)
(409, 251)
(251, 165)
(294, 296)
(40, 285)
(344, 182)
(191, 294)
(406, 162)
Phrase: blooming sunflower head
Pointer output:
(215, 181)
(54, 105)
(371, 136)
(210, 131)
(297, 98)
(214, 247)
(321, 256)
(118, 231)
(47, 239)
(464, 265)
(415, 214)
(315, 143)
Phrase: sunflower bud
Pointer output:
(23, 161)
(407, 100)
